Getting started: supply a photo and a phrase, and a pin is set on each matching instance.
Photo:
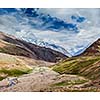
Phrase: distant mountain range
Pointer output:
(14, 46)
(32, 39)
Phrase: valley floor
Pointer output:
(43, 79)
(71, 75)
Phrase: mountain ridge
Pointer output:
(93, 49)
(19, 47)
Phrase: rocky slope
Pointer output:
(88, 66)
(15, 66)
(12, 66)
(14, 46)
(93, 49)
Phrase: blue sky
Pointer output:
(72, 29)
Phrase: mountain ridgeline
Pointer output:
(14, 46)
(93, 49)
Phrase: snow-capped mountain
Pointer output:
(30, 37)
(14, 46)
(52, 46)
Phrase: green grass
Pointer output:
(1, 78)
(75, 82)
(15, 72)
(83, 90)
(79, 66)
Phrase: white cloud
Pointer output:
(64, 13)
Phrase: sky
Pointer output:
(72, 29)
